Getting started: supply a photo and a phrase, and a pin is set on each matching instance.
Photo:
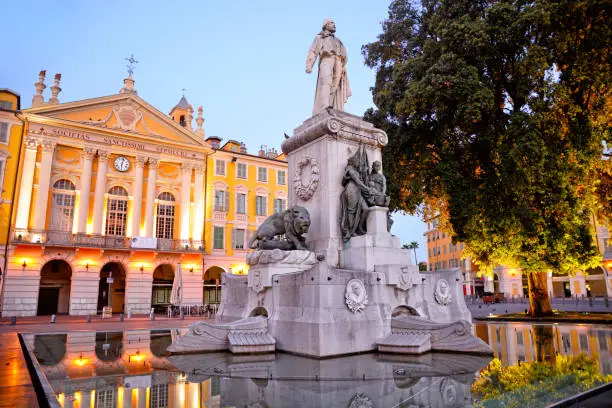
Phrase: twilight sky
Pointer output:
(242, 60)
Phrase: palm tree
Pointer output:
(414, 246)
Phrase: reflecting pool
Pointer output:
(133, 369)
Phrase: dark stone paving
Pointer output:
(15, 385)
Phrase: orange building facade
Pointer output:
(111, 199)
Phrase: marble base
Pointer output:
(415, 335)
(308, 312)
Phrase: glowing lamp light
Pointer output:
(136, 358)
(81, 361)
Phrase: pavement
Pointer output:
(63, 324)
(591, 305)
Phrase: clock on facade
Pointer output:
(122, 164)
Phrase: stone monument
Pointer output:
(346, 287)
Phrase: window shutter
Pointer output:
(233, 238)
(265, 205)
(4, 132)
(227, 201)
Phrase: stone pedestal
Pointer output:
(317, 154)
(341, 298)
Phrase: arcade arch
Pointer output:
(212, 285)
(54, 289)
(111, 291)
(161, 293)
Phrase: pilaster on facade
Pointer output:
(44, 177)
(27, 183)
(150, 199)
(100, 191)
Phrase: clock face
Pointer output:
(122, 164)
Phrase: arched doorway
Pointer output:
(163, 277)
(212, 285)
(111, 291)
(54, 290)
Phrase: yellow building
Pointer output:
(11, 133)
(443, 254)
(242, 190)
(109, 203)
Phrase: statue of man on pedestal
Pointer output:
(332, 83)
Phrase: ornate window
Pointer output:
(262, 174)
(261, 205)
(222, 200)
(219, 168)
(279, 205)
(116, 211)
(241, 171)
(281, 177)
(218, 237)
(165, 216)
(241, 203)
(62, 206)
(238, 238)
(4, 132)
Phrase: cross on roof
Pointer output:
(130, 66)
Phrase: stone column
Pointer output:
(185, 200)
(44, 177)
(100, 191)
(27, 179)
(87, 156)
(198, 198)
(150, 204)
(137, 196)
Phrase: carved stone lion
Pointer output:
(293, 222)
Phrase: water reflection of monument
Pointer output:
(133, 369)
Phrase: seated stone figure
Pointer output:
(292, 223)
(378, 185)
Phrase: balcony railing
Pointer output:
(68, 239)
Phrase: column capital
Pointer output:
(31, 142)
(103, 155)
(186, 167)
(48, 146)
(153, 162)
(88, 152)
(199, 169)
(140, 161)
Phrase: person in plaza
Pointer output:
(332, 82)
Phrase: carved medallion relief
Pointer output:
(306, 178)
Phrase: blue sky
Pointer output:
(242, 60)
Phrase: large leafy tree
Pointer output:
(497, 112)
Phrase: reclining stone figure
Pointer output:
(292, 223)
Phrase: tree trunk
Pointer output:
(415, 257)
(539, 301)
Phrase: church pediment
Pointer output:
(123, 112)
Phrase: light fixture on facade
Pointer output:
(87, 266)
(80, 361)
(136, 357)
(24, 264)
(141, 268)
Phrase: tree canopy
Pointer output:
(497, 113)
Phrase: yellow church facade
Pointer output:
(113, 203)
